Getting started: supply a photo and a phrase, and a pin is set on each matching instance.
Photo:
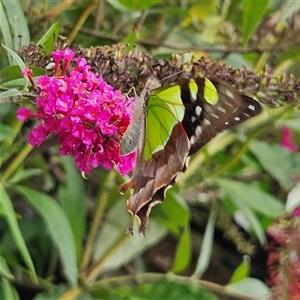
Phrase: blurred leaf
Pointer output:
(114, 247)
(22, 175)
(9, 93)
(72, 198)
(53, 293)
(7, 211)
(293, 199)
(14, 72)
(183, 251)
(199, 11)
(10, 73)
(7, 151)
(58, 226)
(160, 289)
(135, 5)
(289, 7)
(253, 197)
(17, 20)
(207, 244)
(242, 271)
(287, 164)
(252, 17)
(49, 38)
(4, 270)
(250, 287)
(6, 132)
(174, 212)
(7, 290)
(5, 30)
(18, 60)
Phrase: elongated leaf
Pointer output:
(17, 20)
(252, 16)
(207, 244)
(72, 198)
(174, 212)
(5, 29)
(7, 290)
(9, 93)
(4, 270)
(165, 288)
(183, 251)
(289, 7)
(237, 199)
(58, 226)
(250, 287)
(7, 211)
(48, 39)
(138, 5)
(293, 199)
(253, 196)
(242, 271)
(287, 164)
(114, 247)
(14, 72)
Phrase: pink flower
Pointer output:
(284, 258)
(286, 139)
(86, 113)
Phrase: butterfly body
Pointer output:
(171, 123)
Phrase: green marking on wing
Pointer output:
(164, 110)
(193, 86)
(211, 94)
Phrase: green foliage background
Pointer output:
(64, 237)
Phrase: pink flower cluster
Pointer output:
(85, 112)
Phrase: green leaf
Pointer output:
(135, 5)
(287, 164)
(5, 29)
(253, 197)
(7, 211)
(17, 20)
(9, 93)
(293, 199)
(183, 251)
(6, 132)
(207, 244)
(4, 270)
(7, 290)
(174, 212)
(58, 226)
(252, 16)
(242, 271)
(54, 293)
(22, 175)
(250, 287)
(49, 38)
(72, 198)
(13, 72)
(160, 289)
(10, 73)
(289, 7)
(114, 247)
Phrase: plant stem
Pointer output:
(18, 160)
(100, 208)
(96, 270)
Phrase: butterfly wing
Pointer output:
(212, 107)
(178, 121)
(162, 151)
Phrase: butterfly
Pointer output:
(170, 123)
